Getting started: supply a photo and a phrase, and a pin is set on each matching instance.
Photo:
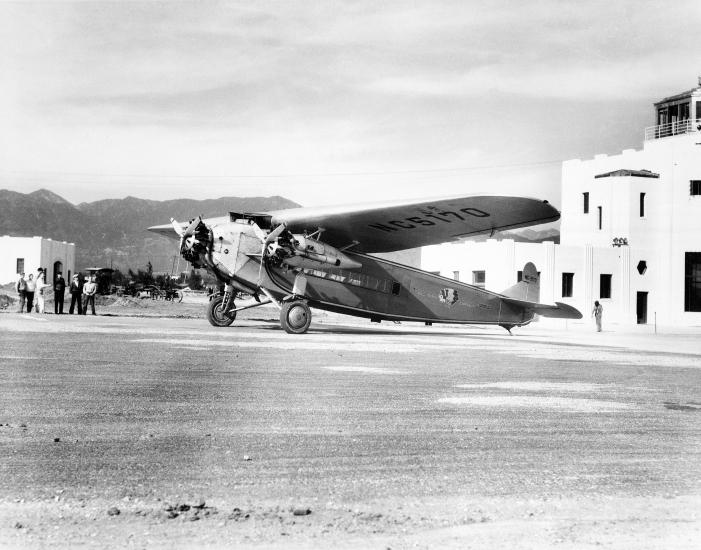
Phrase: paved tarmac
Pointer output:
(169, 433)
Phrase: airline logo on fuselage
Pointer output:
(448, 296)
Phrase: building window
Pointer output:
(695, 187)
(519, 276)
(642, 205)
(456, 275)
(567, 284)
(20, 265)
(478, 278)
(585, 203)
(692, 281)
(600, 216)
(605, 285)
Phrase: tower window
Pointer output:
(695, 187)
(20, 265)
(478, 278)
(605, 285)
(567, 285)
(642, 205)
(585, 203)
(600, 216)
(456, 275)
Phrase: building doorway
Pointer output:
(58, 268)
(641, 308)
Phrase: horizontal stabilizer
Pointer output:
(558, 310)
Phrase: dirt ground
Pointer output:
(145, 427)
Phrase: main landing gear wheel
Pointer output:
(216, 316)
(295, 317)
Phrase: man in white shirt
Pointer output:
(89, 290)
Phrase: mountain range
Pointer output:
(112, 232)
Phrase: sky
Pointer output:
(329, 102)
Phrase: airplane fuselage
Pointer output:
(385, 290)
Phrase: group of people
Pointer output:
(33, 287)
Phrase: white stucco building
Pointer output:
(28, 254)
(630, 233)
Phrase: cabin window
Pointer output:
(567, 285)
(456, 275)
(478, 278)
(605, 285)
(585, 203)
(600, 216)
(642, 205)
(695, 187)
(692, 281)
(20, 265)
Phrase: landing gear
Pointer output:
(295, 317)
(216, 315)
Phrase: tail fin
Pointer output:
(528, 288)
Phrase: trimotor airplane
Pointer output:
(321, 257)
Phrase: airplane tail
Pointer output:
(526, 294)
(528, 288)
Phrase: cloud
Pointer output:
(331, 87)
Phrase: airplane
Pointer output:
(321, 257)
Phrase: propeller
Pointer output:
(186, 236)
(274, 234)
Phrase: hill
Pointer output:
(113, 231)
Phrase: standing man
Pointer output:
(76, 291)
(89, 290)
(598, 313)
(21, 288)
(59, 291)
(31, 287)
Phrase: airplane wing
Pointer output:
(398, 225)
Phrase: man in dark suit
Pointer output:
(59, 292)
(76, 294)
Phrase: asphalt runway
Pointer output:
(169, 433)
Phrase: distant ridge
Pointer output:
(113, 231)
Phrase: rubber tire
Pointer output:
(214, 314)
(295, 317)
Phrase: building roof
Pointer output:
(676, 97)
(627, 172)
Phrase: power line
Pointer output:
(279, 176)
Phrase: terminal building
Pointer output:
(630, 231)
(28, 254)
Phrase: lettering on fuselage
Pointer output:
(430, 216)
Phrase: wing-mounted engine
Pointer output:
(301, 251)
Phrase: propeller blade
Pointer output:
(176, 226)
(191, 228)
(274, 234)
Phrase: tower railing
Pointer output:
(687, 126)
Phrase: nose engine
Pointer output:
(195, 241)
